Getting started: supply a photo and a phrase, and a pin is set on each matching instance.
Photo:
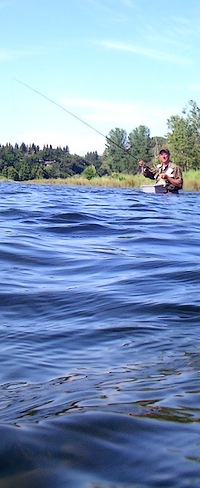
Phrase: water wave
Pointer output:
(99, 330)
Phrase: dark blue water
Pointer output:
(100, 338)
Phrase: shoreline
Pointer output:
(191, 181)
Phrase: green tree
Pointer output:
(40, 173)
(12, 174)
(183, 137)
(25, 171)
(89, 172)
(92, 157)
(48, 153)
(115, 154)
(104, 170)
(5, 172)
(95, 159)
(23, 148)
(53, 171)
(8, 155)
(179, 141)
(193, 115)
(157, 143)
(140, 146)
(66, 149)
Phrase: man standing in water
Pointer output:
(166, 173)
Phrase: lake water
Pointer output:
(100, 338)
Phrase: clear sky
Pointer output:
(112, 63)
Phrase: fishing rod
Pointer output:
(73, 115)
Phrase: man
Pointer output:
(166, 173)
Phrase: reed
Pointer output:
(191, 181)
(116, 181)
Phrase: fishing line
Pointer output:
(73, 115)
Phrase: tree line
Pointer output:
(122, 152)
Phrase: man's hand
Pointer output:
(164, 176)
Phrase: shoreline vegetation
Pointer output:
(191, 181)
(117, 167)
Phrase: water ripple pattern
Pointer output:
(100, 338)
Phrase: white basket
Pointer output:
(153, 188)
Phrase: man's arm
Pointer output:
(175, 180)
(146, 171)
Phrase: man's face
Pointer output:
(164, 158)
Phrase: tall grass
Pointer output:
(116, 181)
(191, 181)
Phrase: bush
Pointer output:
(89, 172)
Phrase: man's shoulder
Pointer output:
(175, 168)
(173, 165)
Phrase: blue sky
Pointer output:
(112, 63)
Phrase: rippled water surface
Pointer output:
(100, 337)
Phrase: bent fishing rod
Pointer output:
(73, 115)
